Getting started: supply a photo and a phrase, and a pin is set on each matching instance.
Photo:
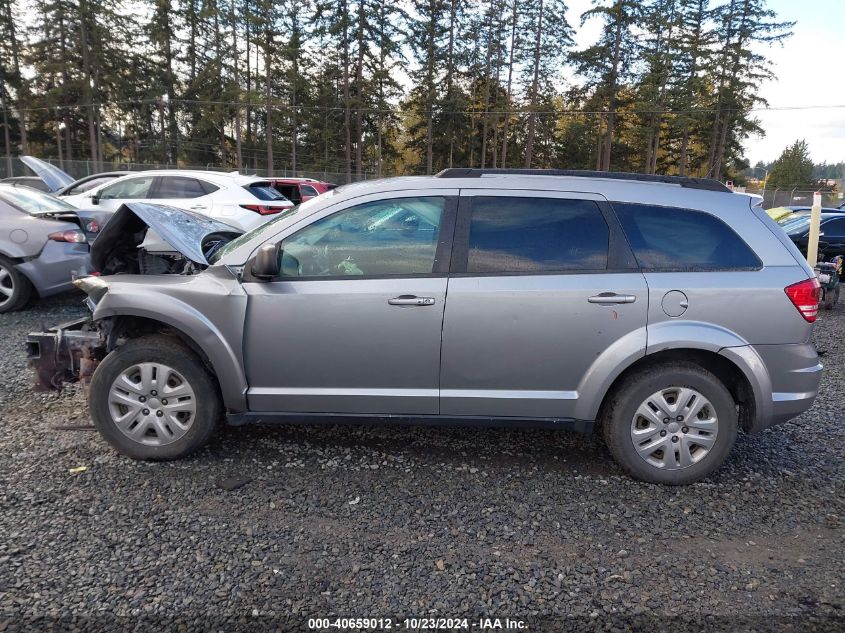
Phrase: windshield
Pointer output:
(265, 229)
(795, 225)
(34, 202)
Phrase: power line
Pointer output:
(421, 111)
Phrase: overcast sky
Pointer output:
(809, 69)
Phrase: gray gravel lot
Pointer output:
(411, 522)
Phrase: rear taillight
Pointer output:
(263, 209)
(74, 237)
(805, 296)
(92, 226)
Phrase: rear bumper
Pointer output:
(795, 373)
(65, 353)
(53, 270)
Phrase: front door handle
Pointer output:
(611, 298)
(411, 300)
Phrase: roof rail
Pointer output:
(706, 184)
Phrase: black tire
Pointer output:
(831, 298)
(171, 352)
(623, 403)
(14, 280)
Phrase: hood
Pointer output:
(195, 237)
(52, 176)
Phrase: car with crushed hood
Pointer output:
(569, 300)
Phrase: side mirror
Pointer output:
(95, 198)
(266, 264)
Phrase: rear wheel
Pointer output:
(673, 424)
(153, 399)
(15, 289)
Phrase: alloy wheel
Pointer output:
(7, 285)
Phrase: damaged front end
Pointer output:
(139, 239)
(69, 352)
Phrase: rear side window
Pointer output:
(179, 187)
(513, 235)
(668, 238)
(308, 190)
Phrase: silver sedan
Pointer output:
(43, 242)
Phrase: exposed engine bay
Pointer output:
(151, 239)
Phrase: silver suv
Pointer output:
(666, 311)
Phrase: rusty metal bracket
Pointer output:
(65, 353)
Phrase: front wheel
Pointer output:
(673, 424)
(153, 399)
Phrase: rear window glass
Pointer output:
(512, 234)
(33, 202)
(88, 184)
(669, 238)
(265, 191)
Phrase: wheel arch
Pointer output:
(202, 338)
(727, 370)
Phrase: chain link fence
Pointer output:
(796, 197)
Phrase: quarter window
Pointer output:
(388, 237)
(668, 238)
(513, 234)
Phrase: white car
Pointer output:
(244, 202)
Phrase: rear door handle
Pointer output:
(411, 300)
(611, 298)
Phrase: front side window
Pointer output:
(128, 189)
(533, 235)
(388, 237)
(669, 238)
(179, 187)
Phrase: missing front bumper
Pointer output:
(69, 352)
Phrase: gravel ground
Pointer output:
(537, 526)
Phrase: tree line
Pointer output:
(373, 87)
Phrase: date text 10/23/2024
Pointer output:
(417, 624)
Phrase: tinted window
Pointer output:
(834, 228)
(389, 237)
(265, 191)
(666, 238)
(128, 189)
(34, 183)
(179, 187)
(536, 234)
(308, 190)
